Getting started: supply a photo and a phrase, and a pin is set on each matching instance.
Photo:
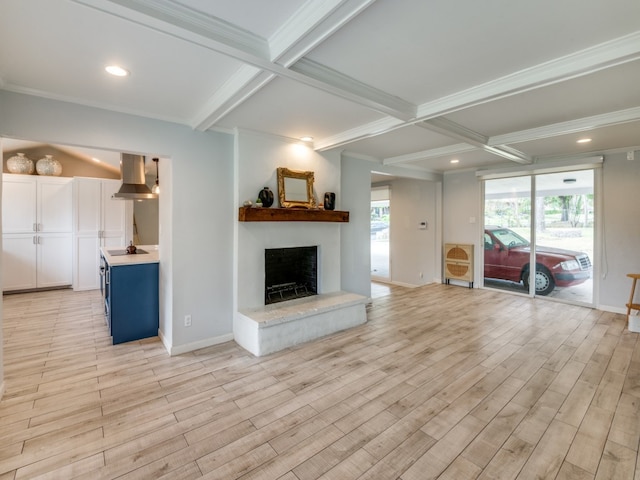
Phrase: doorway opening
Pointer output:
(380, 233)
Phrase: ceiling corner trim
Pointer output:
(239, 87)
(370, 129)
(310, 25)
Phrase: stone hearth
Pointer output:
(274, 327)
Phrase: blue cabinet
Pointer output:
(131, 301)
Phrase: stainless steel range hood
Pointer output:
(133, 181)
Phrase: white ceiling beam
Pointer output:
(568, 127)
(590, 60)
(246, 81)
(394, 106)
(361, 132)
(222, 37)
(608, 54)
(313, 23)
(456, 149)
(453, 130)
(304, 30)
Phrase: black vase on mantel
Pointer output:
(266, 196)
(329, 201)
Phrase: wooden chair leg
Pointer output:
(633, 291)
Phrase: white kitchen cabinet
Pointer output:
(37, 231)
(32, 203)
(99, 221)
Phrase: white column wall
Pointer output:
(258, 157)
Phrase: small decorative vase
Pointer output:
(48, 166)
(329, 201)
(266, 196)
(20, 164)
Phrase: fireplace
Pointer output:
(290, 273)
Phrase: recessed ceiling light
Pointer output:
(455, 160)
(306, 139)
(116, 70)
(584, 140)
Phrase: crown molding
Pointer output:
(91, 104)
(571, 126)
(429, 154)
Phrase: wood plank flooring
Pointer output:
(441, 382)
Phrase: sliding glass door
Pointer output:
(564, 232)
(546, 217)
(507, 233)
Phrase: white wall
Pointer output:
(620, 220)
(462, 213)
(257, 159)
(414, 252)
(196, 204)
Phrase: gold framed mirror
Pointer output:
(295, 189)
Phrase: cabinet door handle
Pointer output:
(39, 240)
(108, 277)
(34, 240)
(35, 227)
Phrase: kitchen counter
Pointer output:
(130, 288)
(153, 255)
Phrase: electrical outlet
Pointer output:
(187, 320)
(421, 275)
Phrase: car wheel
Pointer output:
(544, 280)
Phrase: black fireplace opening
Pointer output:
(290, 273)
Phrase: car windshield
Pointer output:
(510, 238)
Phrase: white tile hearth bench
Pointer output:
(274, 327)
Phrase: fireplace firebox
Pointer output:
(290, 273)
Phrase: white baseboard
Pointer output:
(407, 285)
(190, 347)
(609, 308)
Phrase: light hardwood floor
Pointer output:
(442, 382)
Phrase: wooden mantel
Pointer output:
(250, 214)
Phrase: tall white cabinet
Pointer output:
(37, 225)
(98, 221)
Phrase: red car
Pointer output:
(506, 257)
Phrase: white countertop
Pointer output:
(139, 258)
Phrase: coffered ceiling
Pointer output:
(410, 83)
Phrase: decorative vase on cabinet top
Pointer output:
(49, 166)
(20, 164)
